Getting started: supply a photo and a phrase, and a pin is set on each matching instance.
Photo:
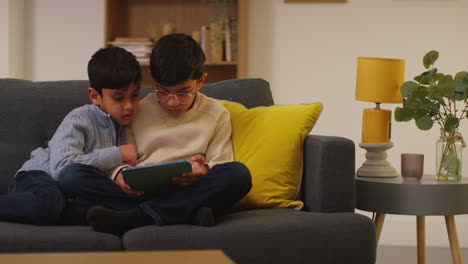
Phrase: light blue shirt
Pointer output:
(87, 135)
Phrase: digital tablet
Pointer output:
(155, 178)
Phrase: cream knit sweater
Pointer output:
(204, 129)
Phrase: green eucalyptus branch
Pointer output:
(434, 97)
(464, 112)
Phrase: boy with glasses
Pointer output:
(175, 122)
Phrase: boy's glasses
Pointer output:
(181, 98)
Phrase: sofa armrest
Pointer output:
(328, 174)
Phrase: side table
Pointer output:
(425, 197)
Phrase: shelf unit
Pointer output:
(144, 18)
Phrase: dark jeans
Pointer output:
(33, 198)
(219, 189)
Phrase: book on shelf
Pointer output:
(216, 41)
(227, 42)
(233, 35)
(205, 42)
(140, 47)
(219, 40)
(132, 39)
(132, 45)
(144, 60)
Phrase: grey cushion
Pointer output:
(252, 237)
(249, 92)
(31, 238)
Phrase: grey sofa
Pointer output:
(326, 231)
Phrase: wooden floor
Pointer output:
(407, 255)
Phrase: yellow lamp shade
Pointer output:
(379, 80)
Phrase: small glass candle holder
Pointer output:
(412, 166)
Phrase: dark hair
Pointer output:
(176, 58)
(113, 68)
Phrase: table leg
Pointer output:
(379, 219)
(453, 239)
(421, 238)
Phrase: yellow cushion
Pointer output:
(269, 141)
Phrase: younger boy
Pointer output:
(175, 122)
(92, 134)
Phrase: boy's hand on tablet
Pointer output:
(199, 169)
(129, 154)
(125, 187)
(199, 164)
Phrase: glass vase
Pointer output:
(449, 156)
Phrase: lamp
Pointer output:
(378, 80)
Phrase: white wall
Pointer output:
(309, 52)
(16, 39)
(3, 38)
(61, 36)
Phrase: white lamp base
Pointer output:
(376, 165)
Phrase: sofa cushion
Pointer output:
(269, 141)
(249, 92)
(31, 238)
(252, 236)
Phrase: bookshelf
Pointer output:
(145, 18)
